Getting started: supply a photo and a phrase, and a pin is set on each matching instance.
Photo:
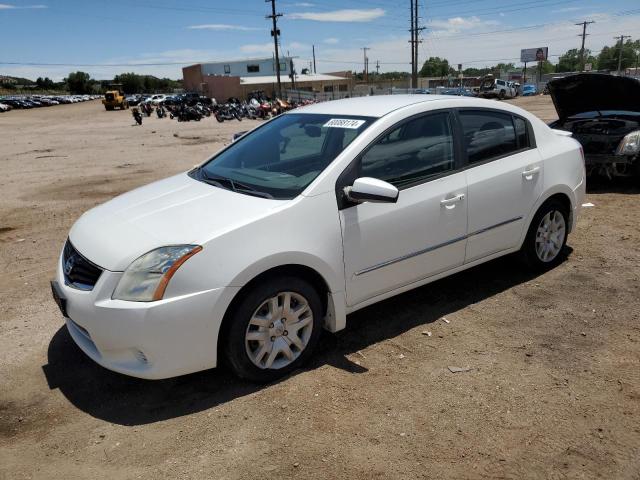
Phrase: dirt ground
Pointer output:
(553, 391)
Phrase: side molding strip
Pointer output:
(435, 247)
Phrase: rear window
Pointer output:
(488, 135)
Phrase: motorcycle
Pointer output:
(137, 115)
(160, 111)
(187, 114)
(228, 111)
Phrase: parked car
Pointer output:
(133, 100)
(529, 90)
(312, 215)
(4, 107)
(603, 114)
(460, 91)
(491, 87)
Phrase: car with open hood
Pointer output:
(603, 114)
(312, 215)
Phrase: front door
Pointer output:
(387, 246)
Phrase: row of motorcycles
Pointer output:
(257, 106)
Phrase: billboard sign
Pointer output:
(538, 54)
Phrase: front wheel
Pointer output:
(274, 329)
(501, 95)
(547, 236)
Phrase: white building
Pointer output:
(252, 67)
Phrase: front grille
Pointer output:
(78, 271)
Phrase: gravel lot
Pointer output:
(554, 390)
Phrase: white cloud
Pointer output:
(331, 41)
(347, 15)
(303, 4)
(261, 48)
(7, 6)
(221, 26)
(567, 9)
(458, 24)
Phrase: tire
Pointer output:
(543, 249)
(219, 118)
(269, 341)
(501, 95)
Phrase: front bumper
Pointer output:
(150, 340)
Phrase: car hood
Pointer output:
(591, 92)
(174, 211)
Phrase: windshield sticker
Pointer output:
(344, 123)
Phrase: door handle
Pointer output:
(528, 174)
(451, 202)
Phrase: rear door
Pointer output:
(504, 179)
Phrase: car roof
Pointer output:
(372, 106)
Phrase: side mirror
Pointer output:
(367, 189)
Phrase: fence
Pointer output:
(300, 95)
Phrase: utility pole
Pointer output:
(275, 33)
(377, 67)
(415, 51)
(621, 37)
(366, 64)
(314, 58)
(584, 34)
(415, 31)
(413, 44)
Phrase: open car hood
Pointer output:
(590, 92)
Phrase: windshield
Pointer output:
(279, 159)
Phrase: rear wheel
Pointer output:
(274, 329)
(547, 236)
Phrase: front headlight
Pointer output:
(146, 279)
(630, 144)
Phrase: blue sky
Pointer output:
(169, 33)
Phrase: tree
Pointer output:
(435, 67)
(570, 60)
(608, 57)
(79, 82)
(131, 83)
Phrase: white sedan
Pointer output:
(312, 215)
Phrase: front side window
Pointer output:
(280, 159)
(253, 68)
(487, 135)
(413, 152)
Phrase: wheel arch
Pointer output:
(318, 275)
(562, 193)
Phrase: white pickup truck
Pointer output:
(491, 87)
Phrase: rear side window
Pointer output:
(521, 132)
(412, 152)
(488, 135)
